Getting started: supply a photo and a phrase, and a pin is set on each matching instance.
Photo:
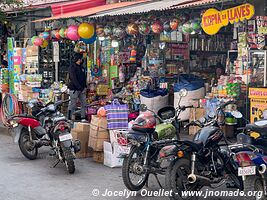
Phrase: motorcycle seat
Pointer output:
(259, 127)
(196, 145)
(136, 135)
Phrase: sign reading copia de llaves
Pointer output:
(213, 20)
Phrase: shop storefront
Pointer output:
(148, 57)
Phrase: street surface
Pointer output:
(22, 179)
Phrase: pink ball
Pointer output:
(72, 33)
(38, 42)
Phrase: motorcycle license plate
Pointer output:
(246, 171)
(63, 138)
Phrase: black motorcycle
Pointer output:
(144, 158)
(46, 126)
(203, 161)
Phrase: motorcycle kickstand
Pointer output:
(156, 176)
(56, 163)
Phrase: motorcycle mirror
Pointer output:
(183, 92)
(237, 114)
(143, 108)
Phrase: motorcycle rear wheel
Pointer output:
(253, 183)
(128, 168)
(68, 159)
(25, 145)
(176, 178)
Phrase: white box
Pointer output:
(112, 152)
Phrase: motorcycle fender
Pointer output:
(16, 132)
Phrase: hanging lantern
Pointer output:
(107, 30)
(167, 27)
(100, 30)
(86, 30)
(132, 29)
(72, 33)
(174, 23)
(144, 28)
(157, 27)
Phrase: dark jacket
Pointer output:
(77, 77)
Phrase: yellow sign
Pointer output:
(257, 107)
(258, 93)
(213, 20)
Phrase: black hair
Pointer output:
(76, 57)
(5, 63)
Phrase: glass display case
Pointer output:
(258, 68)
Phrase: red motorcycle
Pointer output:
(45, 127)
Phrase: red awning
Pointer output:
(63, 8)
(93, 11)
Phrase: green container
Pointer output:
(165, 131)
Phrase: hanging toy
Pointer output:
(174, 23)
(133, 54)
(144, 28)
(132, 29)
(157, 27)
(100, 31)
(167, 26)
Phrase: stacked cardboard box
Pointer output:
(195, 114)
(98, 135)
(81, 132)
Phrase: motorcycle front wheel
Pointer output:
(133, 173)
(254, 183)
(176, 180)
(68, 159)
(26, 146)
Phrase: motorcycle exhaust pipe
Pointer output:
(192, 178)
(262, 168)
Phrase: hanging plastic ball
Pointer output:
(72, 33)
(119, 32)
(100, 30)
(132, 29)
(62, 32)
(46, 35)
(66, 33)
(157, 27)
(187, 29)
(57, 35)
(33, 39)
(144, 28)
(184, 18)
(86, 30)
(195, 25)
(107, 30)
(90, 40)
(53, 34)
(167, 26)
(38, 42)
(101, 112)
(174, 23)
(45, 44)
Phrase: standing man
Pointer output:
(77, 86)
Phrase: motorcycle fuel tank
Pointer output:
(165, 131)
